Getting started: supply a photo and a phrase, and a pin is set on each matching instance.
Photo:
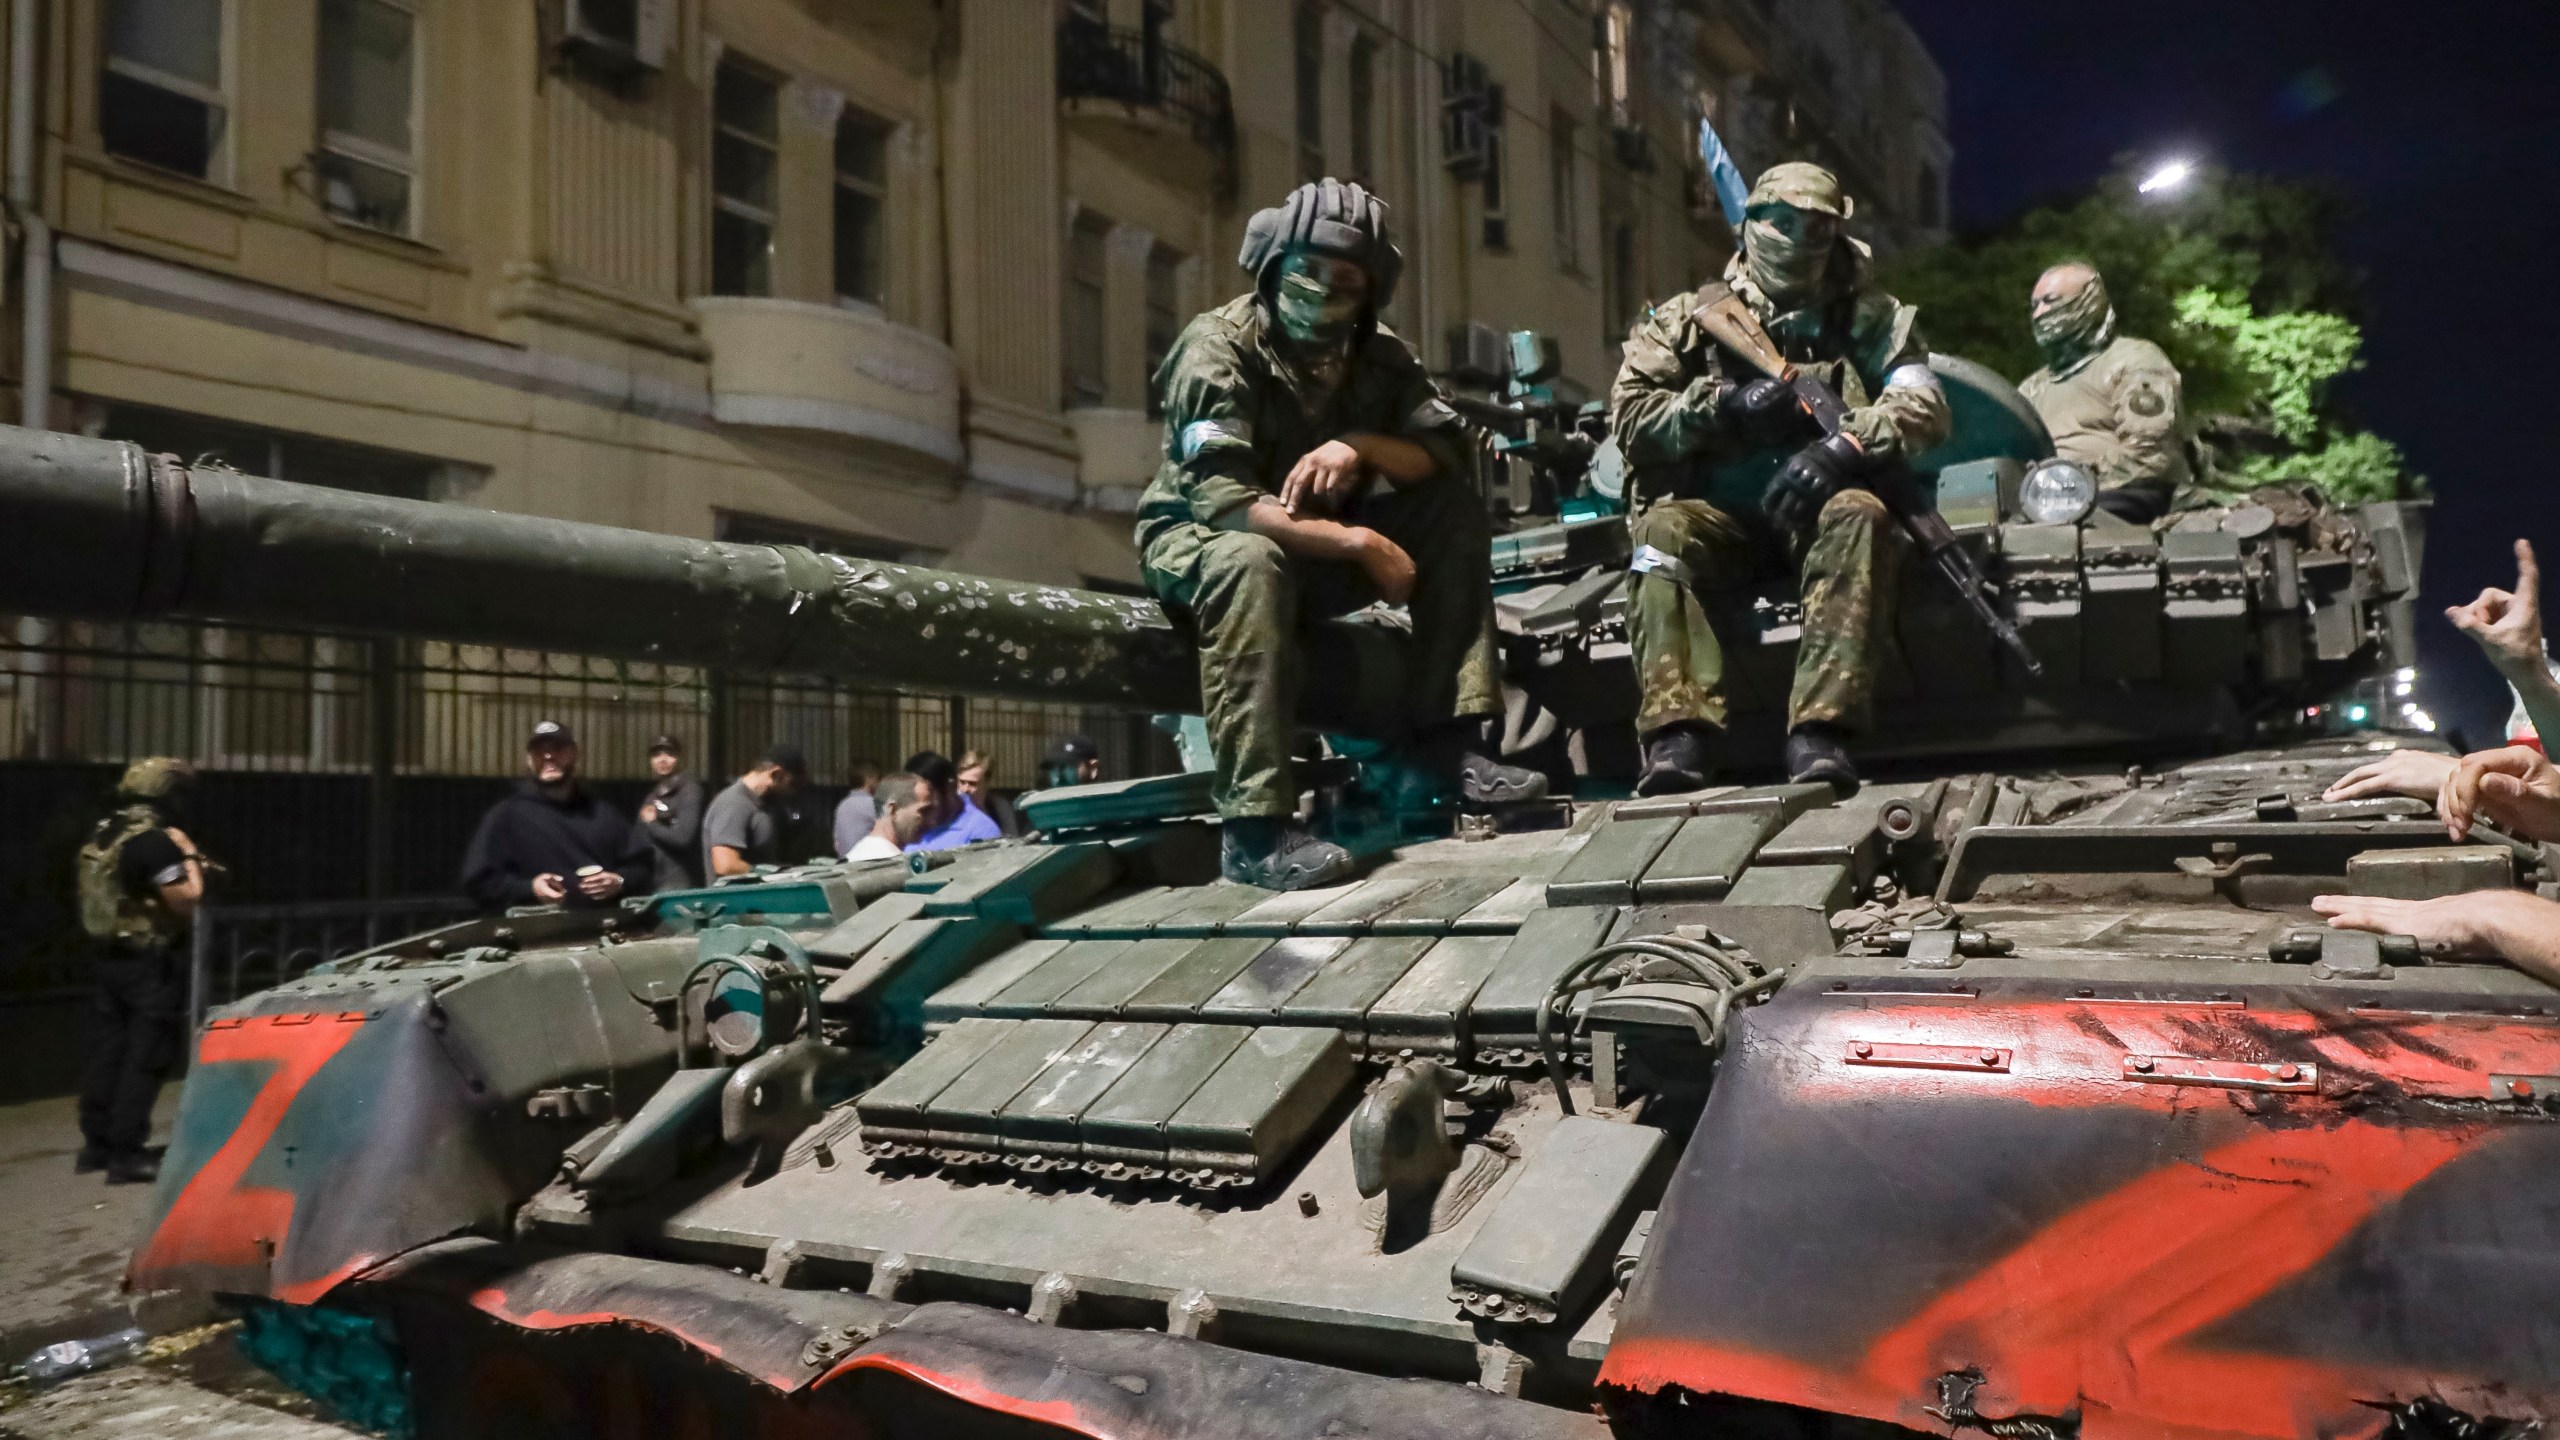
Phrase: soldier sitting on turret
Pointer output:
(2111, 401)
(1730, 479)
(1311, 469)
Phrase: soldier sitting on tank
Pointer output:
(1731, 481)
(1310, 470)
(2111, 401)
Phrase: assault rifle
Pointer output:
(1726, 318)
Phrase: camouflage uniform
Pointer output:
(1237, 417)
(2117, 410)
(1696, 492)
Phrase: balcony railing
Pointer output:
(1139, 68)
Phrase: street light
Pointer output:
(2172, 175)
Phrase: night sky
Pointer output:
(2443, 121)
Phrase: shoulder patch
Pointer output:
(1202, 435)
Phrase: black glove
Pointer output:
(1808, 480)
(1762, 412)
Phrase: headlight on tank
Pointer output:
(2058, 492)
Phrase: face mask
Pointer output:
(1780, 264)
(1314, 313)
(2072, 327)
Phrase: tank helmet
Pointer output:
(1804, 185)
(156, 777)
(1330, 217)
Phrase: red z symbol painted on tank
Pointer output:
(216, 1220)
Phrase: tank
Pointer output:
(2017, 1093)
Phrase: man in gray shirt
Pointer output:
(743, 827)
(858, 811)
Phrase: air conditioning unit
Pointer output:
(616, 38)
(1479, 355)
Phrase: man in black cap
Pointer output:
(1072, 760)
(746, 823)
(671, 817)
(551, 842)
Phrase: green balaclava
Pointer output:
(1312, 312)
(1285, 248)
(1786, 262)
(2077, 325)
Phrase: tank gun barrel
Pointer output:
(98, 529)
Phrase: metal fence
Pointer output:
(237, 950)
(339, 768)
(231, 698)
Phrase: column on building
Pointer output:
(1002, 189)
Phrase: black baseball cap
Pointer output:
(789, 760)
(549, 732)
(1071, 750)
(668, 743)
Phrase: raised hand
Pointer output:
(2508, 623)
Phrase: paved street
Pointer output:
(60, 1260)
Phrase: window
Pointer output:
(1623, 283)
(367, 161)
(161, 100)
(1497, 223)
(1364, 107)
(744, 150)
(1084, 337)
(282, 455)
(862, 192)
(1310, 74)
(1564, 176)
(1618, 27)
(1164, 316)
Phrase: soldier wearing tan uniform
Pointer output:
(2112, 402)
(1732, 481)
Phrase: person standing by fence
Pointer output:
(671, 817)
(859, 810)
(552, 842)
(141, 880)
(750, 821)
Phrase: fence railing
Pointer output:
(236, 950)
(1140, 67)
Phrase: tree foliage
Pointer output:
(2235, 278)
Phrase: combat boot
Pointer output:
(1456, 753)
(134, 1167)
(1820, 751)
(1675, 759)
(1277, 854)
(90, 1160)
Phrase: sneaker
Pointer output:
(1278, 855)
(140, 1167)
(1487, 781)
(1818, 751)
(1675, 760)
(90, 1160)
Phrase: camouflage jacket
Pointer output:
(1662, 408)
(2119, 412)
(1237, 416)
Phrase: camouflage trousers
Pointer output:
(1847, 569)
(1251, 605)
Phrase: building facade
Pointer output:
(887, 276)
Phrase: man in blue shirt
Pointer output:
(956, 820)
